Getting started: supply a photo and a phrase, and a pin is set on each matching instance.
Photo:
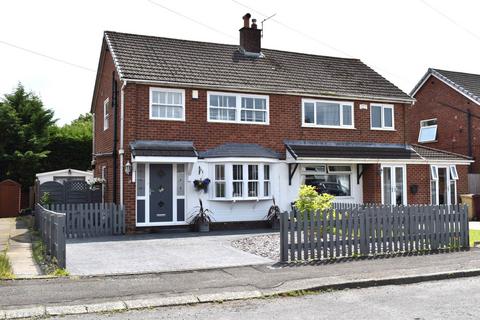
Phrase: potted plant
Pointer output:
(201, 218)
(201, 184)
(96, 183)
(273, 216)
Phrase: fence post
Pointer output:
(60, 239)
(284, 236)
(363, 233)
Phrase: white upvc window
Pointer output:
(428, 131)
(382, 117)
(167, 104)
(453, 172)
(327, 114)
(106, 114)
(237, 181)
(220, 182)
(237, 108)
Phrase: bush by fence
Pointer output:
(51, 226)
(362, 230)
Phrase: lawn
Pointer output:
(474, 236)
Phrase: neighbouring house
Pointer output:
(446, 114)
(64, 175)
(172, 115)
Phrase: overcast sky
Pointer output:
(399, 39)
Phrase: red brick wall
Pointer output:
(437, 100)
(372, 190)
(104, 138)
(418, 174)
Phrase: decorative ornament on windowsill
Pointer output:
(201, 184)
(96, 183)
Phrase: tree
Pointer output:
(24, 125)
(70, 145)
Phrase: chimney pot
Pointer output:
(254, 23)
(246, 20)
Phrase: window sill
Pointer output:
(326, 127)
(382, 129)
(167, 119)
(239, 122)
(425, 142)
(240, 199)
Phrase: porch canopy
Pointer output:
(304, 151)
(163, 151)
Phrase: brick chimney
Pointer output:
(250, 36)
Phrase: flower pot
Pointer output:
(203, 226)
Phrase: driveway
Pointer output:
(158, 253)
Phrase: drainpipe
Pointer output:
(115, 135)
(469, 132)
(122, 151)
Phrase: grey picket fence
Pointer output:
(363, 230)
(51, 226)
(88, 220)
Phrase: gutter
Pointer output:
(121, 151)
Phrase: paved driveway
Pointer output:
(158, 253)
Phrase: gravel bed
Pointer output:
(267, 246)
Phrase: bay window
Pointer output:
(381, 117)
(328, 114)
(241, 181)
(237, 108)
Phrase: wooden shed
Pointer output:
(10, 197)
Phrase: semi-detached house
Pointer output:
(257, 123)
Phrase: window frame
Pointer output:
(430, 126)
(267, 181)
(217, 181)
(229, 181)
(453, 172)
(350, 175)
(238, 107)
(383, 106)
(106, 114)
(340, 103)
(161, 89)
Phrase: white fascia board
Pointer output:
(378, 161)
(240, 160)
(155, 159)
(65, 172)
(435, 75)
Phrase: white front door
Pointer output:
(394, 185)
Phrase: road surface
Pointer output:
(447, 299)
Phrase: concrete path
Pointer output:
(19, 247)
(158, 253)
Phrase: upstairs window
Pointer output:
(381, 117)
(327, 114)
(238, 108)
(106, 114)
(428, 131)
(167, 104)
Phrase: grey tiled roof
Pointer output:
(436, 154)
(466, 83)
(163, 148)
(239, 150)
(182, 62)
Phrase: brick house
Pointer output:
(446, 114)
(257, 123)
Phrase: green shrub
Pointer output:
(309, 200)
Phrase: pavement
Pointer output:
(447, 300)
(159, 253)
(74, 295)
(16, 235)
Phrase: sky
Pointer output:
(52, 46)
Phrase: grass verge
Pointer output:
(474, 237)
(47, 263)
(5, 266)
